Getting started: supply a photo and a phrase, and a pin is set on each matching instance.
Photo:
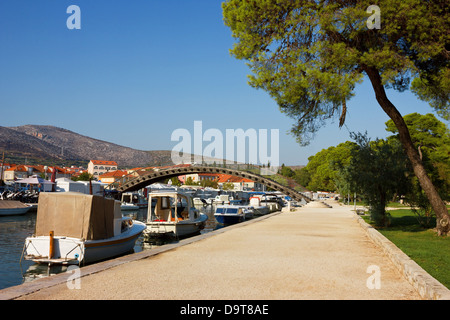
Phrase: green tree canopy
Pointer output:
(310, 55)
(85, 176)
(377, 171)
(324, 165)
(228, 186)
(190, 182)
(429, 135)
(302, 176)
(286, 171)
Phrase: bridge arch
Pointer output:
(152, 177)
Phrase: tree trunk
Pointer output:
(442, 216)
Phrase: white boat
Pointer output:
(258, 209)
(222, 199)
(199, 202)
(173, 214)
(11, 207)
(274, 202)
(231, 214)
(133, 201)
(73, 228)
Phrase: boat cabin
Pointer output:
(170, 206)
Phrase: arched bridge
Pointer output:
(145, 180)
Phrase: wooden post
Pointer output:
(50, 251)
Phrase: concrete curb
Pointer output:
(427, 286)
(26, 288)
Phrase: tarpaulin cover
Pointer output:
(75, 215)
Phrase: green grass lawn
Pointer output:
(391, 204)
(422, 245)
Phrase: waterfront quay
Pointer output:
(312, 252)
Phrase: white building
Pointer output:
(99, 167)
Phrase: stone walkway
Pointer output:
(312, 253)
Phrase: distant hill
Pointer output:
(58, 146)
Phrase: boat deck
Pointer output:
(46, 260)
(12, 204)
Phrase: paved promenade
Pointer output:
(312, 253)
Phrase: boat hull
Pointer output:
(129, 207)
(13, 211)
(229, 219)
(68, 250)
(12, 208)
(261, 210)
(179, 229)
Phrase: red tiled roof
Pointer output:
(230, 178)
(114, 174)
(19, 167)
(39, 168)
(104, 162)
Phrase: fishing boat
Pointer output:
(231, 214)
(173, 214)
(11, 207)
(132, 201)
(74, 228)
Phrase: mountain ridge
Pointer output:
(62, 145)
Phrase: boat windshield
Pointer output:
(227, 210)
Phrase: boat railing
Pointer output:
(57, 260)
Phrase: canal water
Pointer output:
(14, 230)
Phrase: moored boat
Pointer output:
(11, 207)
(222, 199)
(231, 214)
(73, 228)
(258, 209)
(133, 201)
(173, 213)
(272, 201)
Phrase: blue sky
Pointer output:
(138, 70)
